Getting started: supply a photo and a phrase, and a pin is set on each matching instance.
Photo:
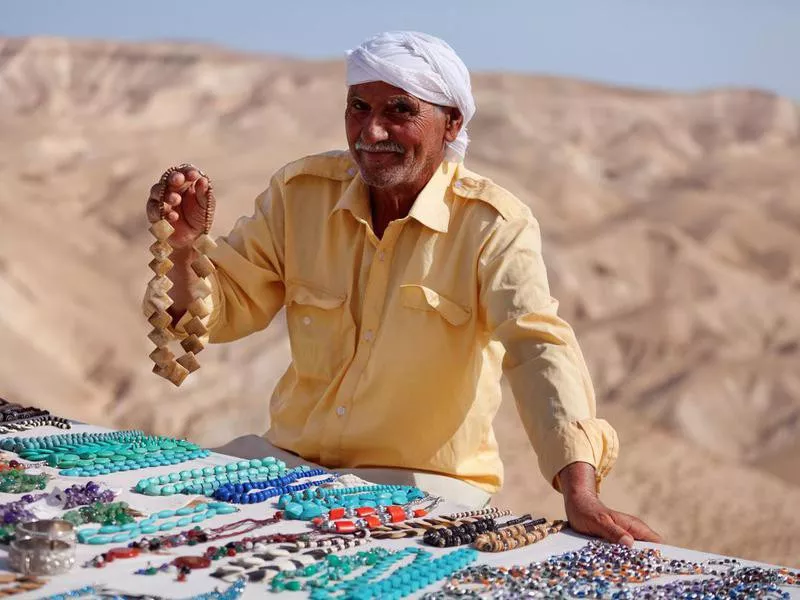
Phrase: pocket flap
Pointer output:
(299, 292)
(424, 298)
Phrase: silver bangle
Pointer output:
(38, 556)
(48, 530)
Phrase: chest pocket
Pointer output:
(424, 298)
(317, 323)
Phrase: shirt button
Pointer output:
(306, 320)
(340, 411)
(351, 171)
(368, 335)
(381, 256)
(458, 183)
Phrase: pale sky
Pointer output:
(669, 44)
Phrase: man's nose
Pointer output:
(374, 131)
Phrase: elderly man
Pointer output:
(411, 285)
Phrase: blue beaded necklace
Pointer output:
(239, 493)
(123, 533)
(206, 480)
(92, 454)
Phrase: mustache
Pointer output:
(380, 147)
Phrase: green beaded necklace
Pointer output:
(93, 454)
(206, 480)
(114, 513)
(108, 534)
(19, 482)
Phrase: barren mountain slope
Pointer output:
(671, 229)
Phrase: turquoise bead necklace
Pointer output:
(207, 480)
(310, 504)
(100, 591)
(93, 454)
(109, 534)
(240, 493)
(328, 579)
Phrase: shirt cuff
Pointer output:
(592, 441)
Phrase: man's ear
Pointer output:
(453, 123)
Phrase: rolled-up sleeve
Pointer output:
(247, 287)
(543, 362)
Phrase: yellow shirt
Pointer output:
(398, 344)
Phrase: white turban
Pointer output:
(422, 65)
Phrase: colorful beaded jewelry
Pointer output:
(613, 571)
(19, 584)
(466, 532)
(239, 493)
(166, 365)
(349, 520)
(232, 593)
(122, 533)
(310, 504)
(328, 579)
(92, 454)
(207, 480)
(16, 481)
(114, 513)
(418, 527)
(516, 536)
(191, 537)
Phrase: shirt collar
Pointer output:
(431, 208)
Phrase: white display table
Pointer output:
(119, 575)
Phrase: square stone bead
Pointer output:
(192, 344)
(161, 301)
(204, 244)
(161, 230)
(160, 336)
(160, 319)
(200, 288)
(163, 370)
(160, 266)
(196, 327)
(162, 356)
(189, 362)
(203, 266)
(178, 374)
(160, 285)
(160, 249)
(199, 308)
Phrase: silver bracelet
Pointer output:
(47, 529)
(39, 556)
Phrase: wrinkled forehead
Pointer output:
(378, 89)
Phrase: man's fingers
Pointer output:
(153, 210)
(176, 180)
(613, 532)
(640, 531)
(191, 174)
(201, 189)
(174, 199)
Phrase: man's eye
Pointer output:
(402, 108)
(359, 105)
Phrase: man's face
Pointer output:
(394, 137)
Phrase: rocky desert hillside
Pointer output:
(672, 234)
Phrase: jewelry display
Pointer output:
(239, 493)
(114, 513)
(328, 579)
(109, 534)
(207, 480)
(166, 365)
(190, 537)
(516, 536)
(310, 504)
(606, 571)
(105, 593)
(349, 520)
(463, 533)
(418, 527)
(17, 481)
(15, 417)
(92, 454)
